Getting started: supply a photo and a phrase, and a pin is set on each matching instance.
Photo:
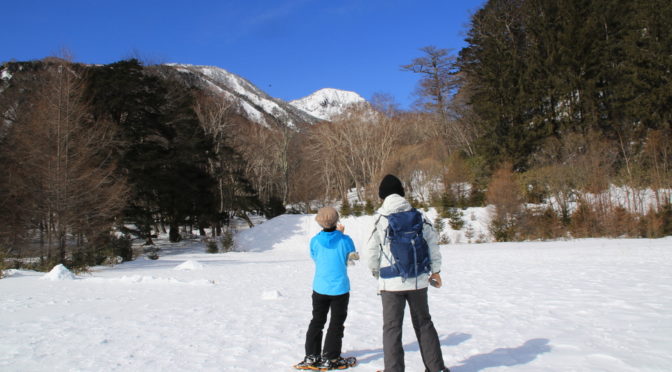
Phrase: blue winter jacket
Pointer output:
(330, 252)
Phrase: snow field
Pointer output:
(582, 305)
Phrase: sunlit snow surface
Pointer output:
(578, 305)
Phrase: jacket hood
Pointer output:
(393, 204)
(327, 237)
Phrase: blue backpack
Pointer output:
(408, 246)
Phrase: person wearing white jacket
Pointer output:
(396, 292)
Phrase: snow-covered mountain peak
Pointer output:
(327, 103)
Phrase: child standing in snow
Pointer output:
(331, 250)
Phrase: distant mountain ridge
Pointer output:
(261, 108)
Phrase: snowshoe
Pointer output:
(310, 362)
(338, 363)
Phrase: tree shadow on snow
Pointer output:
(505, 357)
(368, 355)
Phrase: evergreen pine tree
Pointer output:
(346, 210)
(163, 149)
(369, 209)
(357, 209)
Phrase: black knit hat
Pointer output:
(390, 185)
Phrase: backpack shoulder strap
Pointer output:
(375, 225)
(382, 251)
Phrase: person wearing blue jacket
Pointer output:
(331, 250)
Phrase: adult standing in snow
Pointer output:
(397, 291)
(331, 250)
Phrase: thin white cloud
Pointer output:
(271, 14)
(254, 19)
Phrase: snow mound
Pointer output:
(59, 272)
(190, 265)
(271, 295)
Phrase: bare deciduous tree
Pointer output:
(658, 160)
(353, 151)
(436, 91)
(214, 114)
(504, 193)
(64, 162)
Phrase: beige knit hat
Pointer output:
(327, 217)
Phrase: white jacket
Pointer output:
(393, 204)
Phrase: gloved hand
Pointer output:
(435, 280)
(352, 257)
(375, 273)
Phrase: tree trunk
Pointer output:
(174, 233)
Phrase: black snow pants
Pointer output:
(333, 341)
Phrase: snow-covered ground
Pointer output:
(579, 305)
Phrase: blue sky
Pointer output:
(288, 48)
